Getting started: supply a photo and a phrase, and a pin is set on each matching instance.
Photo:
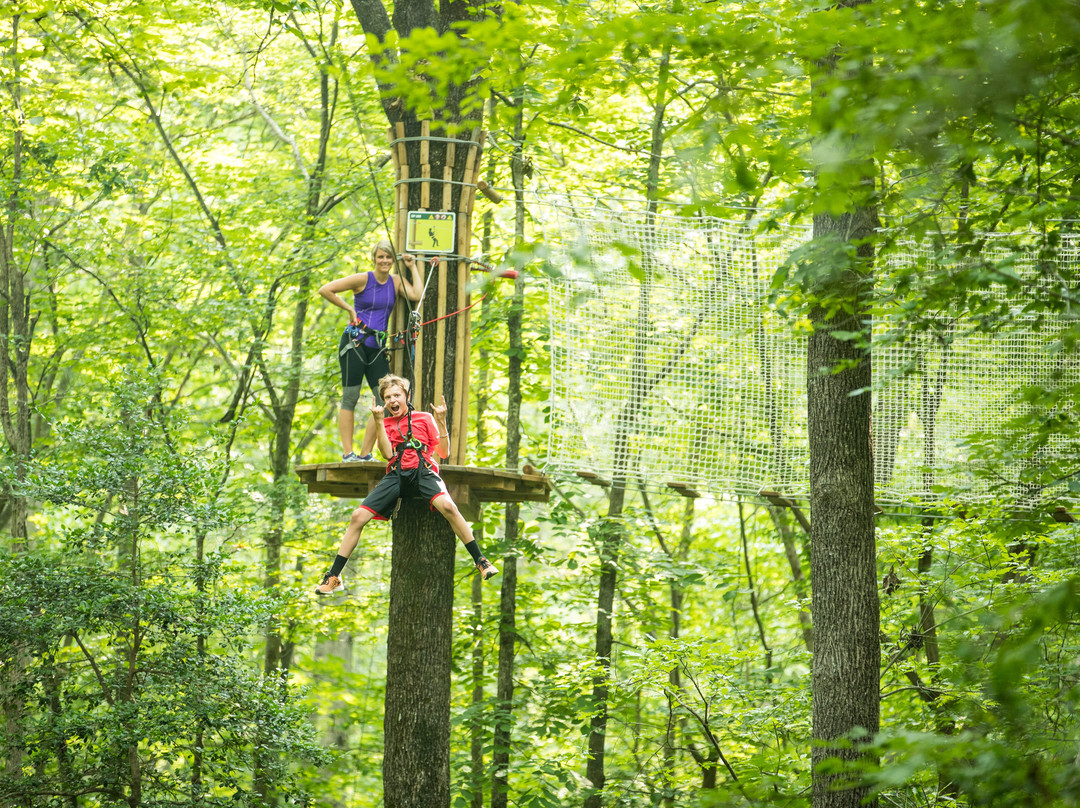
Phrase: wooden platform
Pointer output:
(469, 486)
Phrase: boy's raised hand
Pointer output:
(439, 411)
(378, 409)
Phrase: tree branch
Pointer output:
(97, 671)
(288, 140)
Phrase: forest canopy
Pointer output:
(179, 179)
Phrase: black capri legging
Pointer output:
(360, 362)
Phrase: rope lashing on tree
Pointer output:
(413, 180)
(433, 139)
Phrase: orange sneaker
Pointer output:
(487, 569)
(330, 584)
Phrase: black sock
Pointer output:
(339, 565)
(474, 550)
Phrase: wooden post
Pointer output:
(399, 317)
(425, 166)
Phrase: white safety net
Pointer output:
(668, 347)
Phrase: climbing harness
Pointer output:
(409, 442)
(357, 332)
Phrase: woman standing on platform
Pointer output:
(362, 350)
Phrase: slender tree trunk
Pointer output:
(754, 606)
(782, 520)
(504, 717)
(676, 596)
(416, 763)
(52, 681)
(612, 531)
(14, 356)
(476, 728)
(15, 324)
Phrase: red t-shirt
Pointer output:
(424, 430)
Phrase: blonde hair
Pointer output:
(390, 380)
(383, 245)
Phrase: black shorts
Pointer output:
(360, 362)
(418, 483)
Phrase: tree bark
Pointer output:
(847, 649)
(15, 334)
(676, 595)
(15, 325)
(843, 557)
(416, 763)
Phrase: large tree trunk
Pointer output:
(843, 556)
(416, 763)
(847, 650)
(417, 718)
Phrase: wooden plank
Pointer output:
(593, 477)
(397, 133)
(463, 353)
(440, 339)
(490, 485)
(373, 473)
(684, 489)
(401, 202)
(466, 390)
(425, 187)
(338, 490)
(401, 190)
(522, 495)
(472, 174)
(356, 480)
(448, 176)
(418, 372)
(464, 202)
(781, 501)
(425, 167)
(393, 326)
(425, 145)
(395, 155)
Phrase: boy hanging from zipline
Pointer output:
(406, 439)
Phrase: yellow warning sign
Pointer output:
(431, 232)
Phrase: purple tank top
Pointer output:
(374, 304)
